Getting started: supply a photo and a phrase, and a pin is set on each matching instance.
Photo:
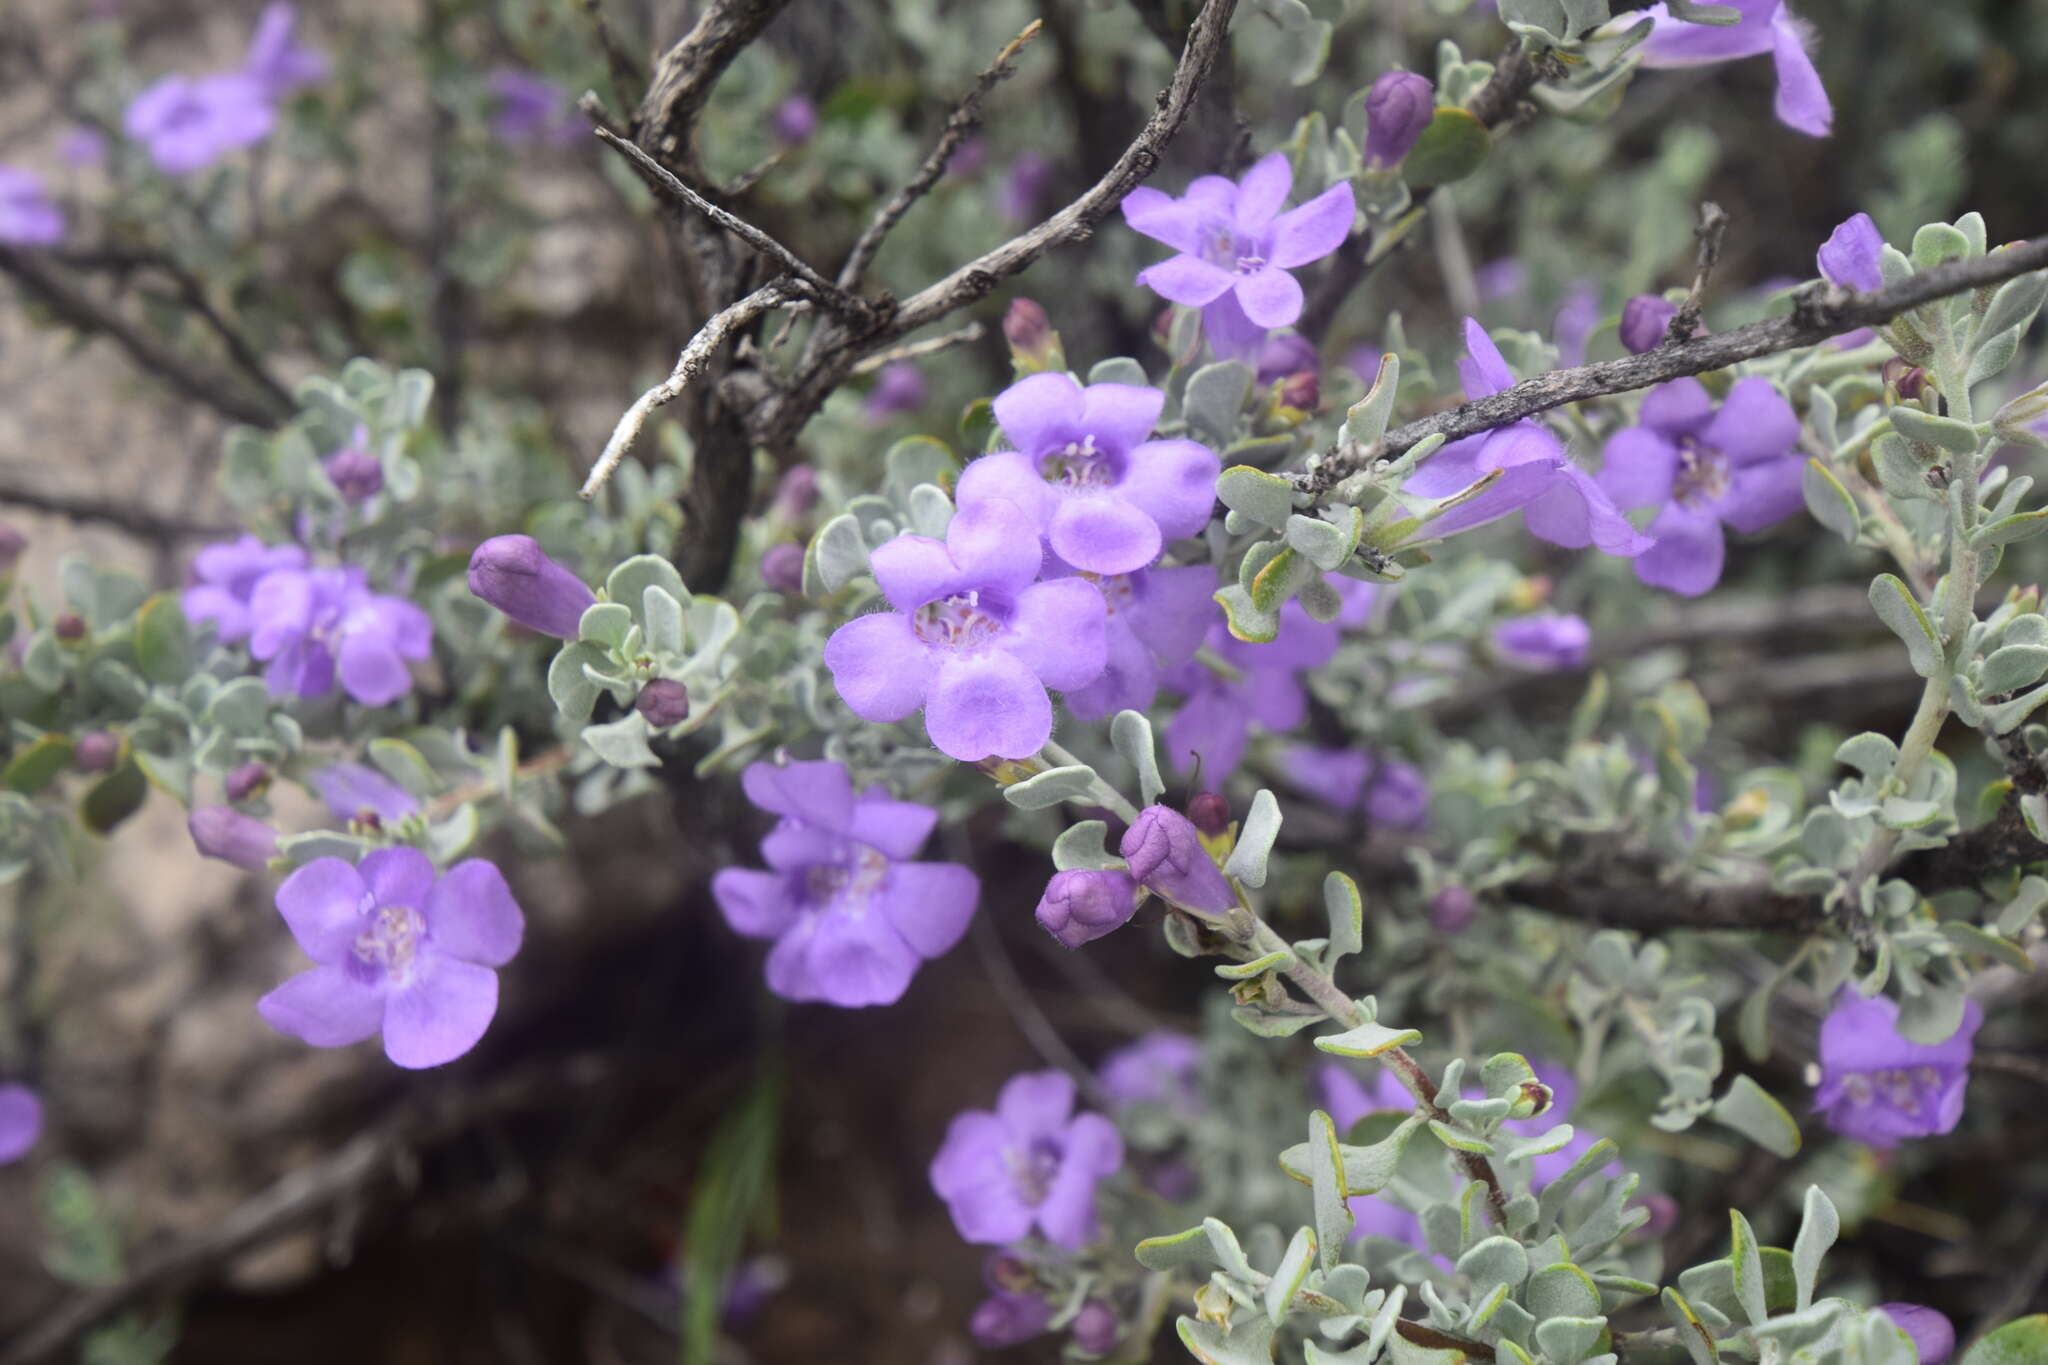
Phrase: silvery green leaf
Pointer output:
(1247, 1341)
(930, 510)
(1993, 354)
(915, 460)
(1326, 545)
(1937, 244)
(2006, 716)
(1368, 418)
(1213, 402)
(1819, 1225)
(1131, 733)
(1080, 846)
(605, 623)
(1746, 1265)
(1367, 1040)
(1402, 1351)
(405, 765)
(711, 625)
(122, 684)
(1790, 1331)
(1049, 788)
(1899, 473)
(1346, 910)
(622, 743)
(1542, 1145)
(2024, 1341)
(2014, 305)
(836, 556)
(1692, 1335)
(662, 617)
(1366, 1170)
(1933, 1013)
(1822, 416)
(1176, 1250)
(1326, 1180)
(569, 681)
(1750, 1110)
(1869, 753)
(1696, 12)
(1279, 960)
(1225, 1251)
(1828, 500)
(1119, 369)
(1925, 427)
(449, 839)
(1259, 1022)
(628, 583)
(240, 707)
(1898, 608)
(1266, 499)
(2013, 667)
(1321, 601)
(1247, 861)
(2007, 530)
(1561, 1291)
(1565, 1341)
(1460, 1141)
(1294, 1266)
(1245, 619)
(300, 849)
(2025, 904)
(1551, 1199)
(1496, 1260)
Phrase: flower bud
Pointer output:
(1663, 1214)
(1850, 255)
(1165, 854)
(1080, 906)
(1034, 345)
(249, 780)
(664, 702)
(1094, 1330)
(1007, 1319)
(1452, 909)
(1302, 391)
(1397, 108)
(12, 543)
(899, 388)
(796, 493)
(355, 473)
(782, 568)
(1645, 319)
(1005, 1272)
(1286, 354)
(225, 833)
(1934, 1336)
(1906, 380)
(1210, 813)
(97, 752)
(796, 118)
(69, 626)
(514, 575)
(1531, 1099)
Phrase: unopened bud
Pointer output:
(1302, 391)
(1034, 345)
(1081, 905)
(355, 473)
(1397, 108)
(1210, 813)
(1907, 381)
(97, 752)
(664, 702)
(225, 833)
(247, 781)
(1645, 319)
(1531, 1099)
(782, 568)
(515, 575)
(796, 493)
(796, 118)
(1094, 1330)
(69, 626)
(1165, 854)
(1452, 909)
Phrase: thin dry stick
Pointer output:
(1708, 232)
(965, 119)
(912, 350)
(695, 356)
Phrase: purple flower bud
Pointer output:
(82, 147)
(12, 543)
(1081, 906)
(97, 752)
(1028, 329)
(21, 1122)
(1165, 854)
(1644, 320)
(1906, 378)
(70, 626)
(1095, 1328)
(225, 833)
(1005, 1272)
(1397, 108)
(251, 779)
(514, 575)
(1451, 910)
(1663, 1214)
(898, 389)
(1934, 1336)
(796, 493)
(796, 118)
(664, 702)
(1210, 813)
(355, 473)
(782, 568)
(1850, 255)
(1007, 1319)
(1286, 354)
(1302, 392)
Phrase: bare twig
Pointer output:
(1711, 228)
(627, 79)
(665, 182)
(965, 119)
(684, 75)
(913, 349)
(138, 521)
(695, 356)
(1820, 312)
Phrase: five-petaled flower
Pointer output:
(1104, 496)
(1765, 26)
(1258, 684)
(1162, 1068)
(225, 577)
(1157, 619)
(189, 124)
(1879, 1087)
(27, 216)
(1703, 467)
(851, 916)
(972, 638)
(276, 61)
(312, 624)
(1236, 248)
(1031, 1164)
(396, 949)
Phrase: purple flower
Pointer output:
(1934, 1336)
(355, 473)
(796, 493)
(1214, 723)
(1390, 792)
(396, 949)
(1451, 910)
(1163, 1068)
(1766, 26)
(1850, 256)
(277, 63)
(354, 792)
(851, 916)
(1876, 1086)
(1543, 643)
(310, 624)
(227, 575)
(531, 109)
(1006, 1319)
(1033, 1163)
(1739, 465)
(1104, 497)
(1080, 906)
(972, 638)
(1397, 108)
(782, 568)
(899, 388)
(225, 833)
(97, 751)
(189, 124)
(21, 1122)
(1236, 248)
(82, 147)
(515, 575)
(1560, 502)
(1165, 854)
(664, 702)
(1157, 620)
(27, 217)
(795, 119)
(1645, 319)
(1024, 186)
